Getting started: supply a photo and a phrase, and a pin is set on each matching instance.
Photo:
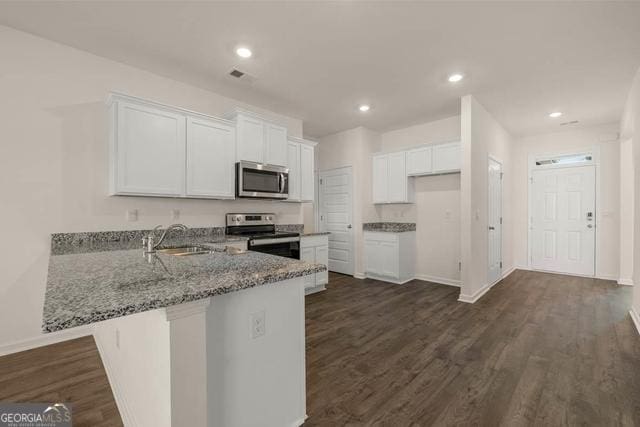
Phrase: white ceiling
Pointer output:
(318, 61)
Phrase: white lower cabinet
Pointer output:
(315, 249)
(390, 256)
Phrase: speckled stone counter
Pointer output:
(290, 228)
(389, 227)
(88, 287)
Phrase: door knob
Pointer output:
(589, 226)
(349, 226)
(491, 228)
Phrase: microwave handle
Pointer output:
(281, 182)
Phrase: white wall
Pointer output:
(353, 148)
(607, 221)
(626, 212)
(53, 163)
(482, 136)
(436, 210)
(630, 129)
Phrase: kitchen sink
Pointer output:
(185, 250)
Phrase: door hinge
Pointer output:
(500, 264)
(500, 220)
(460, 266)
(531, 180)
(501, 175)
(320, 181)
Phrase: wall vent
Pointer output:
(236, 73)
(572, 122)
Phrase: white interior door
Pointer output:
(494, 221)
(336, 213)
(563, 220)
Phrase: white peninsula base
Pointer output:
(205, 363)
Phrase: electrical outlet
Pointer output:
(175, 214)
(118, 339)
(447, 214)
(132, 215)
(258, 327)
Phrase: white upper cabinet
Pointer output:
(211, 148)
(301, 170)
(147, 150)
(419, 160)
(293, 151)
(275, 145)
(398, 182)
(259, 140)
(250, 139)
(307, 189)
(390, 182)
(159, 150)
(380, 172)
(447, 157)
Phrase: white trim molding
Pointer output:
(636, 318)
(470, 299)
(359, 276)
(625, 282)
(439, 280)
(46, 339)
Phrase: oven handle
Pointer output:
(262, 242)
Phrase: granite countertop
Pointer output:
(87, 287)
(389, 227)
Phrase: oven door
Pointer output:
(287, 247)
(261, 181)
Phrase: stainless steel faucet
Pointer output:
(150, 245)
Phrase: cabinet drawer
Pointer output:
(311, 241)
(377, 236)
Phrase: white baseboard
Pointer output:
(508, 272)
(386, 279)
(475, 296)
(440, 280)
(126, 413)
(45, 339)
(359, 276)
(636, 319)
(606, 277)
(480, 292)
(625, 282)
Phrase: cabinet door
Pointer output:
(398, 180)
(276, 145)
(293, 158)
(447, 157)
(308, 255)
(371, 256)
(149, 150)
(306, 173)
(419, 161)
(210, 159)
(380, 181)
(389, 260)
(250, 139)
(322, 257)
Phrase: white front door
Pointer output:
(563, 220)
(336, 214)
(494, 221)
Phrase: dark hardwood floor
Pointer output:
(538, 349)
(70, 371)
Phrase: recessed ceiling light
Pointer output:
(244, 52)
(555, 114)
(364, 108)
(453, 78)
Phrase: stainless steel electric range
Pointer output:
(260, 229)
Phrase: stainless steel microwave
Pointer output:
(256, 180)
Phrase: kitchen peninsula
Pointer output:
(206, 337)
